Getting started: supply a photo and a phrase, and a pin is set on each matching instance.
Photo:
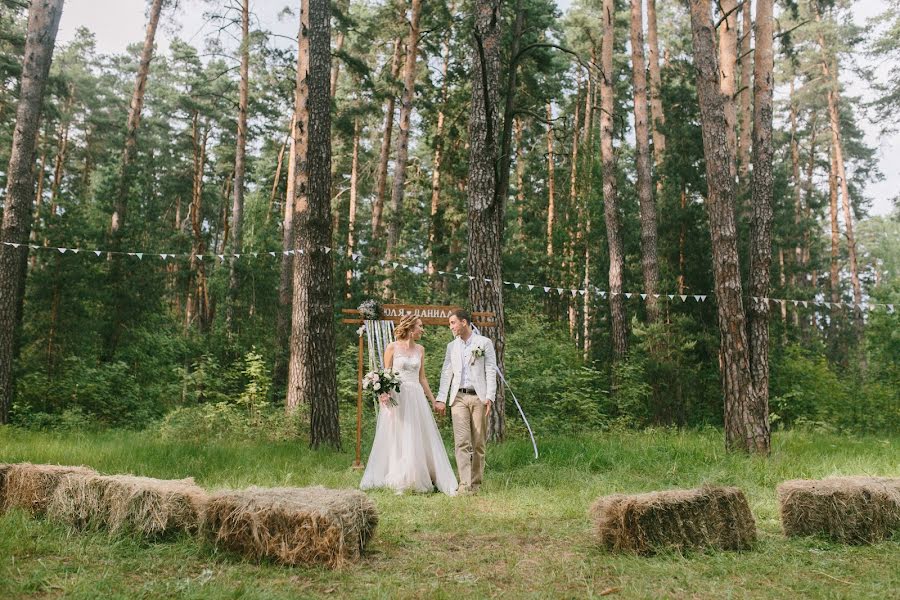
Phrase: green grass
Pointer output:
(526, 535)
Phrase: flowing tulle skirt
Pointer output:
(408, 452)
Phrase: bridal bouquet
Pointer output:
(382, 381)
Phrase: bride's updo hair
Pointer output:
(401, 331)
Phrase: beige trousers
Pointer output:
(469, 428)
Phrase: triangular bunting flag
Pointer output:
(33, 246)
(628, 295)
(97, 252)
(199, 257)
(702, 298)
(221, 257)
(236, 255)
(76, 250)
(272, 254)
(459, 275)
(573, 292)
(582, 292)
(516, 285)
(395, 265)
(254, 254)
(140, 255)
(804, 303)
(603, 294)
(696, 297)
(163, 256)
(471, 278)
(796, 302)
(530, 287)
(890, 307)
(671, 296)
(643, 296)
(62, 250)
(656, 295)
(683, 297)
(546, 290)
(327, 249)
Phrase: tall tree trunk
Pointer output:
(237, 207)
(134, 119)
(656, 109)
(551, 183)
(798, 199)
(837, 144)
(728, 68)
(336, 68)
(520, 180)
(745, 89)
(406, 105)
(351, 217)
(40, 38)
(485, 202)
(835, 234)
(381, 177)
(277, 179)
(118, 289)
(197, 298)
(438, 153)
(649, 255)
(761, 229)
(286, 279)
(682, 235)
(312, 374)
(610, 202)
(743, 429)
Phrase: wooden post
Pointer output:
(357, 464)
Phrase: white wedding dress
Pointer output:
(408, 452)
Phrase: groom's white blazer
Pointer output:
(482, 372)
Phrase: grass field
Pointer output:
(526, 535)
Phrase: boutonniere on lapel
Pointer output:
(477, 352)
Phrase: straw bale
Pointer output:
(708, 517)
(30, 487)
(144, 506)
(4, 469)
(292, 525)
(852, 510)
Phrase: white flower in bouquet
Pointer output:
(476, 353)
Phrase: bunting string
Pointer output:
(358, 257)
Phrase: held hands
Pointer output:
(439, 407)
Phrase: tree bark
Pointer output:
(277, 179)
(610, 202)
(40, 39)
(197, 298)
(744, 430)
(551, 182)
(351, 217)
(761, 229)
(406, 105)
(835, 234)
(520, 180)
(745, 90)
(312, 377)
(649, 254)
(656, 108)
(381, 178)
(728, 68)
(485, 200)
(134, 119)
(286, 279)
(237, 207)
(438, 154)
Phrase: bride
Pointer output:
(408, 452)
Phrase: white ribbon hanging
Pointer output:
(521, 412)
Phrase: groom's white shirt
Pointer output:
(482, 374)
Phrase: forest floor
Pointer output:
(526, 535)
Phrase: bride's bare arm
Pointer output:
(389, 356)
(424, 380)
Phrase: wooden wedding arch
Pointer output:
(430, 315)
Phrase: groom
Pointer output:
(469, 381)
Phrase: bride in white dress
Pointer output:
(408, 452)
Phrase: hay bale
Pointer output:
(852, 510)
(4, 469)
(708, 517)
(292, 525)
(148, 507)
(30, 487)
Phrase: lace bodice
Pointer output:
(408, 365)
